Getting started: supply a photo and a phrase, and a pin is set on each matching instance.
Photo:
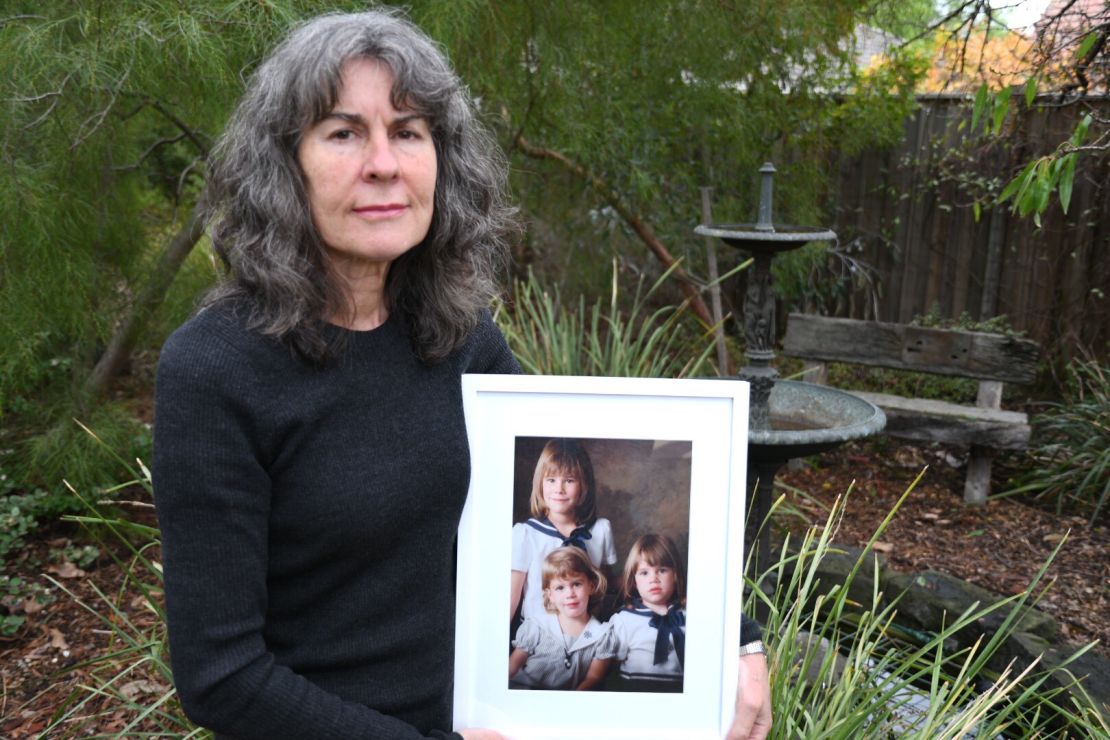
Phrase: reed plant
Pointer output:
(1070, 460)
(844, 669)
(127, 689)
(550, 336)
(839, 668)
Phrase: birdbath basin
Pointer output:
(807, 419)
(753, 237)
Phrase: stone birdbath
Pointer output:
(787, 419)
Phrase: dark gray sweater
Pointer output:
(308, 518)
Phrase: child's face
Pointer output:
(562, 491)
(571, 595)
(655, 584)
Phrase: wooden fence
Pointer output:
(906, 212)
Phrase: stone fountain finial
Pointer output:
(766, 187)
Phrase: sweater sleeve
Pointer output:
(750, 630)
(212, 493)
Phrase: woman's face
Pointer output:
(370, 170)
(655, 584)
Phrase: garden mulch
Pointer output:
(1000, 547)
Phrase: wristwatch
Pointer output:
(756, 646)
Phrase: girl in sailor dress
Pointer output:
(566, 647)
(649, 634)
(563, 514)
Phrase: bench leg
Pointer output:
(978, 484)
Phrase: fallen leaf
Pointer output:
(58, 640)
(66, 570)
(132, 689)
(30, 605)
(929, 516)
(1052, 539)
(883, 547)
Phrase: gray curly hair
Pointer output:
(258, 211)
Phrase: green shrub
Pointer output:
(1071, 457)
(908, 383)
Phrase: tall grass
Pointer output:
(844, 669)
(132, 675)
(839, 669)
(552, 337)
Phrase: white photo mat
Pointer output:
(713, 416)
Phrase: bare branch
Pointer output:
(192, 135)
(98, 118)
(185, 174)
(150, 150)
(45, 114)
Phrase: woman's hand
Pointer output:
(753, 700)
(480, 733)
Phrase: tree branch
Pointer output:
(149, 150)
(689, 287)
(150, 298)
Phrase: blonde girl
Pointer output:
(649, 634)
(566, 647)
(563, 514)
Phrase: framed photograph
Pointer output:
(600, 556)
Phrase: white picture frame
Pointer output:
(712, 415)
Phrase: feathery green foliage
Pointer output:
(107, 111)
(656, 101)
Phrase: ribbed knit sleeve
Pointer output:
(750, 630)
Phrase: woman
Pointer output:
(311, 461)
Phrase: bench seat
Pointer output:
(927, 420)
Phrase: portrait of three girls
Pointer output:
(566, 635)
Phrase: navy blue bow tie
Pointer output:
(577, 538)
(670, 625)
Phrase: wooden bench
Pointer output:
(992, 359)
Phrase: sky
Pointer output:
(1022, 13)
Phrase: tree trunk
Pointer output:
(150, 298)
